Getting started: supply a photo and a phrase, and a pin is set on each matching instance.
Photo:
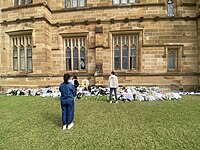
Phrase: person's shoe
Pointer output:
(116, 102)
(70, 125)
(64, 127)
(110, 101)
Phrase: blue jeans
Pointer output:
(67, 111)
(115, 92)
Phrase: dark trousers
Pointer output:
(67, 111)
(115, 92)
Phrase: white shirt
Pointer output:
(113, 81)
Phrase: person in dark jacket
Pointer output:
(75, 82)
(67, 90)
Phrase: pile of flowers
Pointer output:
(129, 93)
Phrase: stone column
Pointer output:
(99, 55)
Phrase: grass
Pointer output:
(35, 123)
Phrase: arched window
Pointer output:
(68, 59)
(133, 58)
(15, 58)
(125, 57)
(117, 58)
(125, 52)
(75, 58)
(22, 2)
(75, 3)
(170, 8)
(29, 58)
(75, 53)
(82, 60)
(22, 58)
(22, 53)
(171, 60)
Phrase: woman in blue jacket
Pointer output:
(67, 102)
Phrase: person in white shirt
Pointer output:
(113, 85)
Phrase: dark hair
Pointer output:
(113, 72)
(75, 77)
(66, 77)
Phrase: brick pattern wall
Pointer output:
(49, 23)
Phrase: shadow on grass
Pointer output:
(52, 117)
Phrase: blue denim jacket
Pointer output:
(67, 91)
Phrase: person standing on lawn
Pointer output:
(113, 85)
(75, 82)
(68, 92)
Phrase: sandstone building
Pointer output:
(147, 42)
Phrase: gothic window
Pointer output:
(125, 52)
(75, 3)
(117, 2)
(75, 53)
(22, 53)
(15, 58)
(22, 2)
(172, 60)
(170, 8)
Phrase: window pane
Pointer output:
(67, 4)
(82, 61)
(132, 1)
(117, 58)
(23, 2)
(82, 3)
(68, 53)
(68, 59)
(29, 63)
(28, 1)
(22, 58)
(171, 60)
(125, 57)
(15, 64)
(116, 2)
(15, 52)
(16, 2)
(68, 64)
(74, 3)
(75, 58)
(15, 59)
(133, 58)
(124, 1)
(29, 58)
(133, 51)
(170, 8)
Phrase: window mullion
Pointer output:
(72, 58)
(120, 52)
(79, 59)
(25, 54)
(18, 53)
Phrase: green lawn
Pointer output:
(35, 123)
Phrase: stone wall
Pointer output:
(50, 23)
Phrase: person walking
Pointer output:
(68, 92)
(113, 85)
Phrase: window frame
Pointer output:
(22, 42)
(170, 11)
(22, 2)
(69, 3)
(71, 43)
(135, 42)
(120, 2)
(175, 59)
(178, 58)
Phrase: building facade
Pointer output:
(146, 42)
